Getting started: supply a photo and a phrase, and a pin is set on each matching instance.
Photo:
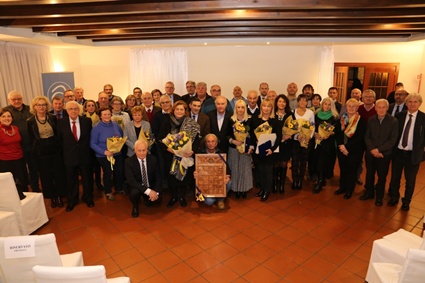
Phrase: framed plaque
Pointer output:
(211, 179)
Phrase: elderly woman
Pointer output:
(300, 153)
(178, 121)
(12, 155)
(133, 129)
(321, 164)
(264, 163)
(239, 160)
(282, 112)
(350, 131)
(118, 115)
(98, 139)
(46, 147)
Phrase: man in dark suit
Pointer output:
(169, 90)
(381, 136)
(219, 122)
(202, 119)
(263, 89)
(191, 91)
(151, 109)
(409, 150)
(58, 111)
(399, 105)
(74, 136)
(253, 108)
(142, 175)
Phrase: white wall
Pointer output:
(246, 66)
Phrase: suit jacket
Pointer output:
(223, 143)
(391, 108)
(187, 97)
(176, 97)
(204, 122)
(133, 173)
(75, 152)
(418, 135)
(42, 147)
(381, 136)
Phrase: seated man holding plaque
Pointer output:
(142, 175)
(211, 175)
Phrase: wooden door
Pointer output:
(380, 77)
(340, 81)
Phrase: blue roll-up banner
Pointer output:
(54, 84)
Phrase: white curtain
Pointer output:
(21, 66)
(152, 68)
(326, 70)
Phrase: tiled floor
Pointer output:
(295, 237)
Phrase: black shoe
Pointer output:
(172, 202)
(135, 213)
(347, 195)
(259, 194)
(392, 202)
(366, 196)
(60, 202)
(339, 192)
(183, 202)
(243, 194)
(90, 204)
(405, 207)
(54, 203)
(238, 195)
(265, 196)
(318, 187)
(378, 202)
(69, 207)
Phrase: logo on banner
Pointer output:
(55, 84)
(57, 89)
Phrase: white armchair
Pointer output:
(393, 248)
(82, 274)
(412, 270)
(16, 263)
(30, 212)
(8, 224)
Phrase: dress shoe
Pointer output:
(339, 192)
(405, 207)
(378, 202)
(259, 194)
(366, 196)
(60, 202)
(392, 202)
(69, 207)
(238, 195)
(265, 196)
(172, 202)
(243, 194)
(183, 202)
(90, 204)
(54, 203)
(135, 213)
(347, 195)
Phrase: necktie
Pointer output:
(406, 131)
(74, 130)
(150, 115)
(144, 176)
(58, 116)
(397, 109)
(194, 117)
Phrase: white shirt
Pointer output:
(77, 125)
(220, 119)
(400, 108)
(411, 130)
(194, 116)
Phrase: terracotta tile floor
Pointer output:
(295, 237)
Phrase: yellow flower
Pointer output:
(179, 147)
(311, 128)
(185, 138)
(290, 126)
(180, 142)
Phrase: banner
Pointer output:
(54, 84)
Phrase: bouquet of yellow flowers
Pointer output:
(241, 132)
(264, 128)
(114, 145)
(181, 144)
(119, 121)
(94, 118)
(305, 132)
(147, 136)
(325, 130)
(290, 127)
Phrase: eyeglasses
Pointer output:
(68, 96)
(16, 99)
(216, 90)
(73, 109)
(165, 102)
(41, 105)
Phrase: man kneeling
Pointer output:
(142, 175)
(211, 142)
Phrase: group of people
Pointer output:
(73, 139)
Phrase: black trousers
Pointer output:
(381, 167)
(402, 161)
(348, 166)
(73, 183)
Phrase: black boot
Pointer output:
(265, 196)
(318, 186)
(275, 179)
(282, 178)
